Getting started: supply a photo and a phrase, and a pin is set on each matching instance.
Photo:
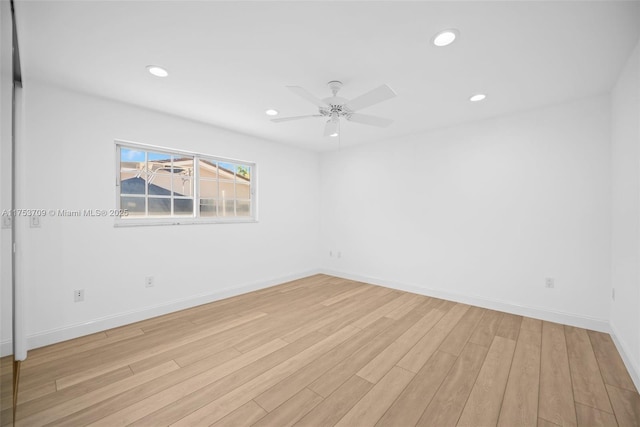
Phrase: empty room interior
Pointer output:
(319, 213)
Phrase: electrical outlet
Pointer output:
(549, 282)
(78, 295)
(6, 221)
(34, 222)
(613, 294)
(149, 282)
(330, 253)
(339, 254)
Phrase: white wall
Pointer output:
(625, 310)
(68, 162)
(482, 212)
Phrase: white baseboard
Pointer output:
(595, 324)
(97, 325)
(629, 362)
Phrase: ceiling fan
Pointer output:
(334, 107)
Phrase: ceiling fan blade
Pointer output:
(286, 119)
(303, 93)
(379, 94)
(331, 128)
(369, 120)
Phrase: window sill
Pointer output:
(148, 222)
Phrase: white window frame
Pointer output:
(184, 220)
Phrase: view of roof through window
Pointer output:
(164, 184)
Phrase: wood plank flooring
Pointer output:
(324, 351)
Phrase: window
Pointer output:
(162, 186)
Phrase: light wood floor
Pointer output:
(323, 351)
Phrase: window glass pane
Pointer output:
(160, 181)
(243, 173)
(160, 158)
(227, 207)
(182, 185)
(159, 185)
(243, 208)
(208, 169)
(243, 191)
(183, 207)
(208, 207)
(159, 206)
(158, 164)
(226, 171)
(132, 184)
(135, 205)
(159, 173)
(227, 190)
(132, 171)
(183, 176)
(208, 189)
(131, 155)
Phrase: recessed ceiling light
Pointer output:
(477, 97)
(157, 71)
(271, 112)
(333, 135)
(445, 37)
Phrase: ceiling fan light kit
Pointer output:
(335, 108)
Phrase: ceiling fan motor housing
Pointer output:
(336, 106)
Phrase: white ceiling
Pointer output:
(229, 61)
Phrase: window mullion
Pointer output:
(146, 183)
(118, 178)
(196, 187)
(171, 195)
